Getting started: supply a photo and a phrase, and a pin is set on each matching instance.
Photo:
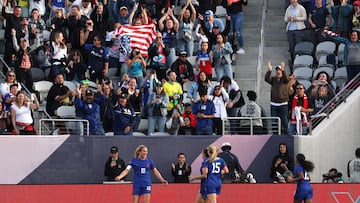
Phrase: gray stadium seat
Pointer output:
(324, 48)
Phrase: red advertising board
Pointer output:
(174, 193)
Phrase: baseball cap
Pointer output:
(123, 7)
(124, 96)
(225, 144)
(183, 53)
(278, 67)
(357, 3)
(209, 13)
(114, 149)
(88, 93)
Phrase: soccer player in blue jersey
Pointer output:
(304, 191)
(212, 168)
(142, 166)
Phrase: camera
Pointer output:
(328, 176)
(137, 52)
(158, 96)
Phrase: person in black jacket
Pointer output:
(232, 163)
(183, 69)
(114, 165)
(182, 170)
(282, 165)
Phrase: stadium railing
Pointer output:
(271, 125)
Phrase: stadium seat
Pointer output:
(324, 48)
(220, 12)
(71, 85)
(303, 73)
(340, 77)
(112, 72)
(303, 61)
(46, 35)
(66, 112)
(307, 83)
(304, 48)
(43, 88)
(328, 70)
(37, 74)
(323, 61)
(340, 53)
(192, 61)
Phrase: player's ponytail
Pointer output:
(212, 153)
(307, 165)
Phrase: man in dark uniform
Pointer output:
(232, 163)
(114, 165)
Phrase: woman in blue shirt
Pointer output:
(212, 168)
(142, 181)
(304, 191)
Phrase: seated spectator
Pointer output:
(187, 128)
(202, 83)
(254, 110)
(158, 102)
(10, 79)
(183, 68)
(182, 170)
(322, 79)
(10, 97)
(21, 118)
(333, 176)
(219, 97)
(281, 165)
(188, 113)
(114, 165)
(124, 116)
(76, 66)
(321, 99)
(301, 106)
(204, 111)
(58, 95)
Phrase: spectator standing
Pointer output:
(114, 165)
(38, 5)
(100, 18)
(136, 65)
(211, 21)
(188, 113)
(58, 95)
(319, 19)
(211, 34)
(232, 162)
(43, 57)
(124, 116)
(98, 59)
(183, 68)
(204, 111)
(182, 170)
(158, 52)
(204, 59)
(219, 97)
(36, 27)
(174, 91)
(76, 23)
(222, 57)
(281, 163)
(254, 110)
(59, 23)
(279, 94)
(187, 128)
(107, 110)
(169, 30)
(21, 118)
(341, 12)
(90, 110)
(353, 168)
(157, 104)
(301, 107)
(235, 11)
(351, 52)
(58, 62)
(187, 19)
(76, 66)
(203, 82)
(135, 99)
(295, 17)
(112, 41)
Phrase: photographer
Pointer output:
(333, 176)
(232, 162)
(136, 65)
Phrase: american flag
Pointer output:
(141, 36)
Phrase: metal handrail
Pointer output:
(64, 120)
(339, 98)
(251, 122)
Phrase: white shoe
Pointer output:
(240, 51)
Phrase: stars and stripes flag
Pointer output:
(138, 36)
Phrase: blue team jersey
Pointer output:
(212, 184)
(142, 170)
(304, 190)
(97, 57)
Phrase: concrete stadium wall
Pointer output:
(333, 142)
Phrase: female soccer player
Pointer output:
(304, 191)
(211, 169)
(142, 181)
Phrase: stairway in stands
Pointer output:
(274, 48)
